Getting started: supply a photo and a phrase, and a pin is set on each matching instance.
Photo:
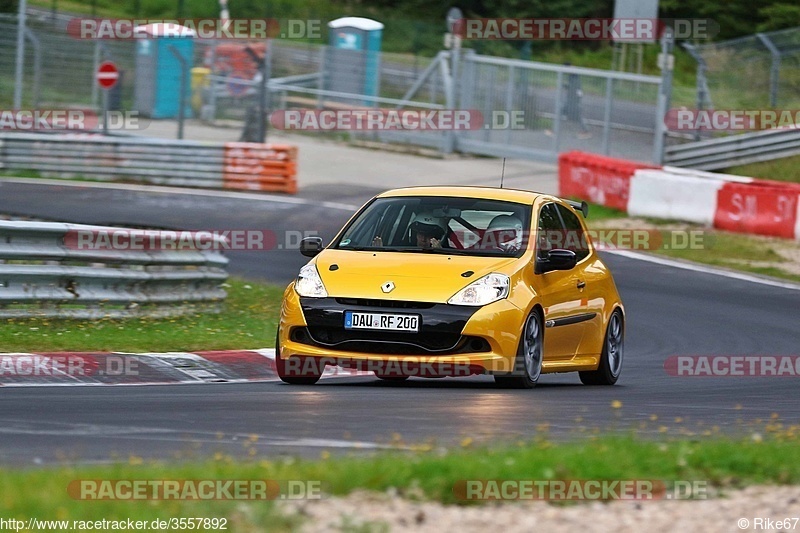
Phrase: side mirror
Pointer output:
(556, 260)
(311, 246)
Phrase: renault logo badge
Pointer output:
(388, 286)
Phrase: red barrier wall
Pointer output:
(597, 178)
(758, 207)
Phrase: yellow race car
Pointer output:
(455, 281)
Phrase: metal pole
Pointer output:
(37, 65)
(664, 96)
(20, 55)
(509, 101)
(607, 114)
(323, 51)
(182, 99)
(775, 69)
(265, 95)
(95, 66)
(105, 111)
(557, 124)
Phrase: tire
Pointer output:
(610, 366)
(307, 377)
(530, 353)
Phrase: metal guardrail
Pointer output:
(179, 163)
(158, 161)
(743, 149)
(46, 271)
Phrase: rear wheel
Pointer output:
(298, 370)
(610, 366)
(530, 354)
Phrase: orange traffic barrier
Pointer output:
(260, 167)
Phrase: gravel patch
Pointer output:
(363, 511)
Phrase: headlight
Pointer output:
(486, 290)
(309, 284)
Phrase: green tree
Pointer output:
(778, 16)
(9, 6)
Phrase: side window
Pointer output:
(550, 231)
(574, 238)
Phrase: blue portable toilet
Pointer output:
(353, 64)
(158, 71)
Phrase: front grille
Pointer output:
(390, 343)
(390, 304)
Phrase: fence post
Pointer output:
(449, 95)
(37, 65)
(775, 68)
(95, 65)
(323, 50)
(664, 95)
(607, 114)
(19, 67)
(557, 123)
(509, 100)
(182, 100)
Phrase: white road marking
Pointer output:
(177, 435)
(705, 269)
(163, 189)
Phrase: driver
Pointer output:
(427, 230)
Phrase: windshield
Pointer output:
(463, 226)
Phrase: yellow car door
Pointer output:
(561, 292)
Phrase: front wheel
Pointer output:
(610, 366)
(297, 370)
(530, 354)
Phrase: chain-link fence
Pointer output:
(753, 72)
(561, 107)
(59, 70)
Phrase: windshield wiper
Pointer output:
(378, 249)
(448, 251)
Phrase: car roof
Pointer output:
(489, 193)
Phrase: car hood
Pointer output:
(420, 277)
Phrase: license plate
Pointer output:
(381, 321)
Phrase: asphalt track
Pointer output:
(671, 311)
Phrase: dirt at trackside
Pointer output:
(385, 512)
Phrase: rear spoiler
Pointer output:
(581, 206)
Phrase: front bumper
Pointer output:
(469, 339)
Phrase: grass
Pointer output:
(784, 169)
(601, 212)
(731, 250)
(747, 253)
(425, 474)
(248, 320)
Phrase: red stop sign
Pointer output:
(107, 74)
